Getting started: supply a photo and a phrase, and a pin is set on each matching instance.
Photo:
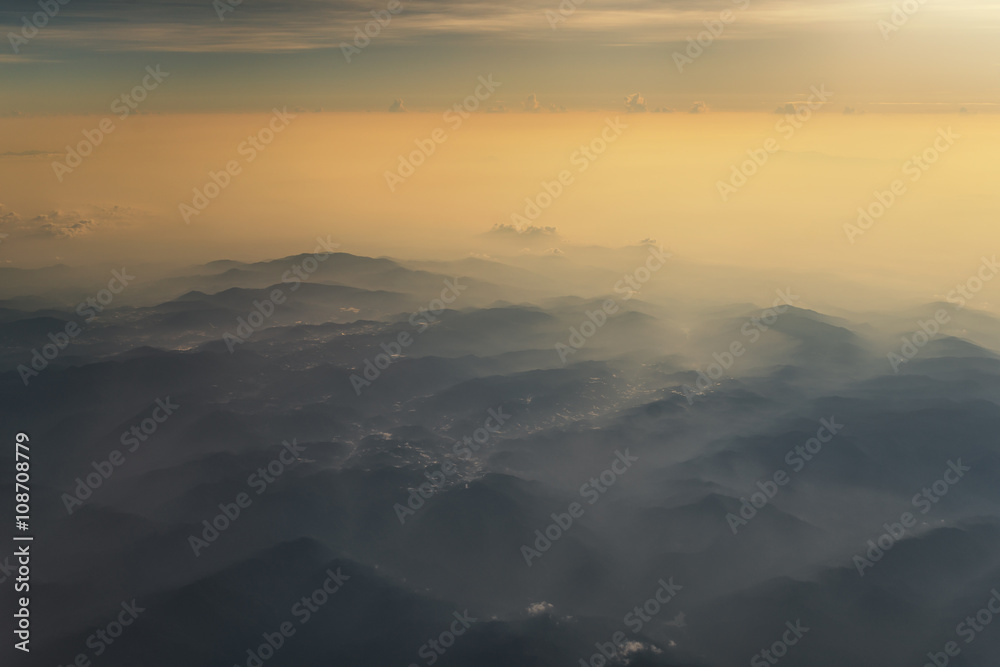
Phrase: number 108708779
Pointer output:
(22, 476)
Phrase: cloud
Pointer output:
(515, 231)
(397, 106)
(679, 621)
(31, 153)
(21, 59)
(632, 647)
(789, 108)
(64, 224)
(531, 104)
(698, 107)
(635, 103)
(60, 225)
(538, 608)
(269, 26)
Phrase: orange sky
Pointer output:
(171, 93)
(658, 177)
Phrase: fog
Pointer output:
(618, 448)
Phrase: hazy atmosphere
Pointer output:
(557, 333)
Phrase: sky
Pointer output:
(295, 136)
(260, 53)
(843, 152)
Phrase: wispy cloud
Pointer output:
(65, 224)
(31, 153)
(270, 26)
(11, 59)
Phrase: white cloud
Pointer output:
(538, 608)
